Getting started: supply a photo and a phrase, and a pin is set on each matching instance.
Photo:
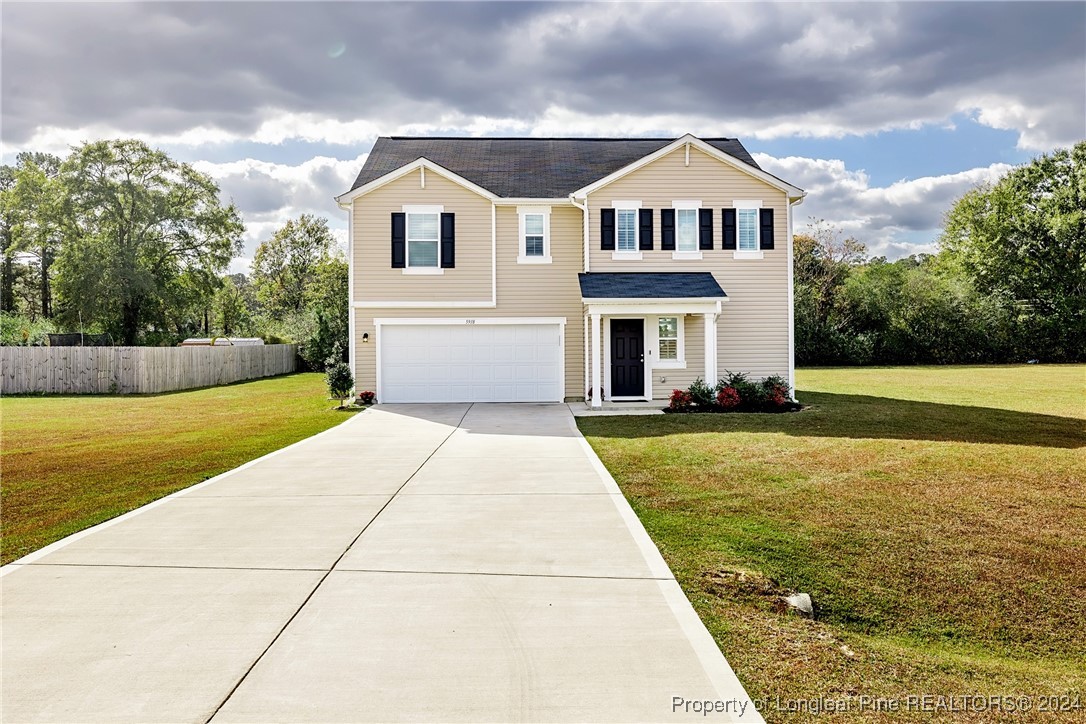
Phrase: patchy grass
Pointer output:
(70, 462)
(935, 515)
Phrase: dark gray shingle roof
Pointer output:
(524, 167)
(649, 285)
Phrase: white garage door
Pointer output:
(470, 363)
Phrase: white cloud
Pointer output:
(888, 219)
(829, 37)
(268, 194)
(264, 73)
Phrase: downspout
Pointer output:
(351, 359)
(584, 212)
(351, 352)
(587, 359)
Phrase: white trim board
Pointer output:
(651, 301)
(392, 321)
(351, 352)
(432, 304)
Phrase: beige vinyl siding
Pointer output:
(524, 290)
(374, 277)
(694, 330)
(753, 327)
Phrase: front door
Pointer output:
(627, 358)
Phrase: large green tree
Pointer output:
(142, 233)
(286, 265)
(1024, 239)
(32, 220)
(233, 306)
(7, 222)
(328, 298)
(823, 258)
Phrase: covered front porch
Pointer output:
(646, 333)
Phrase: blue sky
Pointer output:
(883, 112)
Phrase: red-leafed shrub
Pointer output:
(367, 398)
(735, 392)
(681, 401)
(728, 398)
(776, 392)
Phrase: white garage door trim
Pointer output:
(560, 322)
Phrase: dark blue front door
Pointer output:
(627, 358)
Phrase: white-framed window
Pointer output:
(423, 238)
(626, 230)
(686, 230)
(669, 342)
(746, 229)
(534, 234)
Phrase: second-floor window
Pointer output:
(747, 229)
(535, 231)
(422, 239)
(533, 235)
(627, 229)
(686, 229)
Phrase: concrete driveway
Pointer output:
(417, 563)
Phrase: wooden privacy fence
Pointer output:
(83, 370)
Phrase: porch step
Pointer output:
(640, 407)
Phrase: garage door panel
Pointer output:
(471, 363)
(456, 354)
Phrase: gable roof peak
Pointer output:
(520, 167)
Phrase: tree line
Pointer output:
(1008, 283)
(121, 240)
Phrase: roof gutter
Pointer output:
(584, 211)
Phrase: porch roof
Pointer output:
(649, 285)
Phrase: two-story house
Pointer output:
(523, 269)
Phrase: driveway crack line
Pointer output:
(331, 568)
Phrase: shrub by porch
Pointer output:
(734, 393)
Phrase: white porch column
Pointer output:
(587, 362)
(597, 362)
(710, 349)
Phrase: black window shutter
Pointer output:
(729, 228)
(399, 240)
(645, 240)
(448, 241)
(767, 228)
(607, 229)
(667, 229)
(705, 230)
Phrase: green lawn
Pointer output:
(69, 462)
(936, 515)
